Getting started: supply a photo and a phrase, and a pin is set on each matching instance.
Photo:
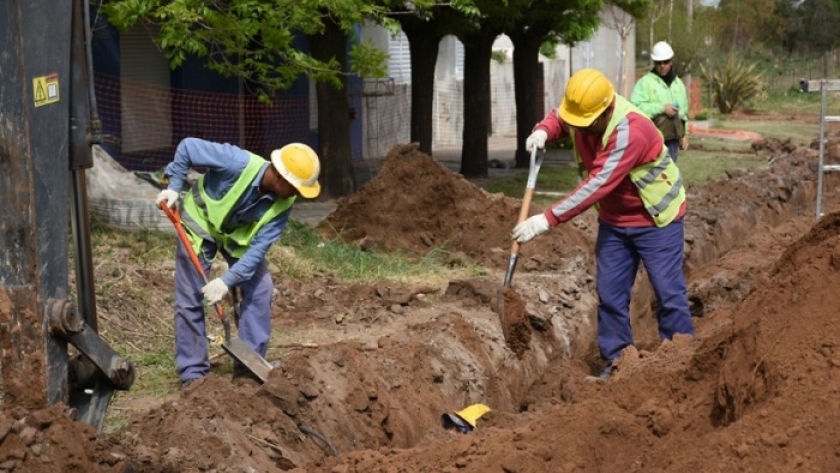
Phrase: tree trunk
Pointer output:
(526, 70)
(477, 53)
(423, 43)
(333, 116)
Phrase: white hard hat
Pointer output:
(661, 51)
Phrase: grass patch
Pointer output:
(708, 162)
(114, 423)
(707, 159)
(793, 101)
(154, 378)
(700, 167)
(553, 179)
(304, 253)
(800, 132)
(140, 245)
(560, 178)
(154, 370)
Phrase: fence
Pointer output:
(143, 123)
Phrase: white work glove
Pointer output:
(537, 139)
(214, 291)
(536, 225)
(169, 196)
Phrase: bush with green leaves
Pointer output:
(733, 83)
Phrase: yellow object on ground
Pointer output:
(464, 420)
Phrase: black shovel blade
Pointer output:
(248, 357)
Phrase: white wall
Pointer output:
(604, 51)
(556, 73)
(387, 111)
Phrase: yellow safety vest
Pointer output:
(205, 222)
(660, 183)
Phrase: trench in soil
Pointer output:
(382, 377)
(371, 369)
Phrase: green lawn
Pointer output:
(707, 159)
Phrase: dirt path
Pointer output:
(703, 129)
(368, 370)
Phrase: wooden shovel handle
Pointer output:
(523, 215)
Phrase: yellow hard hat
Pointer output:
(588, 94)
(465, 419)
(299, 165)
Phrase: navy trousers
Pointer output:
(618, 252)
(673, 148)
(191, 355)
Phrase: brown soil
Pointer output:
(367, 371)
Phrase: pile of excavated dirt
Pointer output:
(417, 205)
(48, 440)
(367, 371)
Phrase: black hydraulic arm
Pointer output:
(47, 127)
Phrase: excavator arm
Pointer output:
(51, 349)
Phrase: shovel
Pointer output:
(234, 346)
(237, 315)
(533, 170)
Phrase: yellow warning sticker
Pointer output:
(46, 89)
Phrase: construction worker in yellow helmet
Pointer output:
(238, 209)
(625, 169)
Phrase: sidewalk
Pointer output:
(311, 213)
(500, 149)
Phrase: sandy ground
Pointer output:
(367, 371)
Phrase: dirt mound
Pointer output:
(217, 424)
(49, 440)
(416, 205)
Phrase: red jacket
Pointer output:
(608, 182)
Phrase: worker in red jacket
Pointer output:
(626, 170)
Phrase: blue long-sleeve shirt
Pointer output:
(224, 164)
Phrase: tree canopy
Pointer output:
(258, 40)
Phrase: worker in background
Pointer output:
(627, 171)
(238, 208)
(661, 95)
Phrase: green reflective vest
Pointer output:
(660, 183)
(205, 222)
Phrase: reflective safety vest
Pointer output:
(660, 183)
(205, 222)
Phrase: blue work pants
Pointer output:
(673, 148)
(618, 252)
(191, 355)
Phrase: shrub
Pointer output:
(733, 83)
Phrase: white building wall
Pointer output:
(502, 97)
(448, 112)
(556, 75)
(387, 103)
(604, 52)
